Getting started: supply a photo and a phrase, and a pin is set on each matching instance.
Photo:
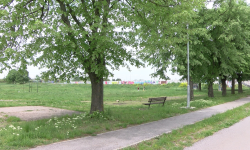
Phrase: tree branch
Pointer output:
(163, 5)
(8, 4)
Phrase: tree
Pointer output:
(76, 78)
(15, 76)
(38, 78)
(70, 38)
(82, 36)
(220, 51)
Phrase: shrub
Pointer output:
(184, 84)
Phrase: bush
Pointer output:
(15, 76)
(184, 84)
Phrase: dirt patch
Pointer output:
(28, 113)
(119, 103)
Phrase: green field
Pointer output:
(78, 96)
(129, 111)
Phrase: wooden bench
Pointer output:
(158, 100)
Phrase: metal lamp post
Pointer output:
(188, 87)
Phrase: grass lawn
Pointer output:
(16, 134)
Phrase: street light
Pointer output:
(188, 87)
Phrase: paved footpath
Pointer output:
(132, 135)
(235, 137)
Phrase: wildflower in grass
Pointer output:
(55, 118)
(202, 103)
(19, 128)
(49, 120)
(175, 105)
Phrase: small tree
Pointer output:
(15, 76)
(38, 78)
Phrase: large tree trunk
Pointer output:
(97, 93)
(224, 86)
(233, 86)
(210, 89)
(240, 87)
(199, 86)
(191, 89)
(239, 80)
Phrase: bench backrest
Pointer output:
(157, 99)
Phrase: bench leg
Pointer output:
(148, 106)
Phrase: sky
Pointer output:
(122, 73)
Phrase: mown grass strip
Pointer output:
(188, 135)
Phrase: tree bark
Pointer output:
(233, 86)
(199, 86)
(224, 86)
(191, 89)
(97, 93)
(239, 80)
(210, 89)
(240, 87)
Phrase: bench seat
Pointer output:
(158, 100)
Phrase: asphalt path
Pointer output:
(236, 137)
(132, 135)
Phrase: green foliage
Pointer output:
(38, 78)
(100, 115)
(13, 119)
(76, 78)
(183, 84)
(164, 29)
(15, 76)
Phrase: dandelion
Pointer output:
(56, 126)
